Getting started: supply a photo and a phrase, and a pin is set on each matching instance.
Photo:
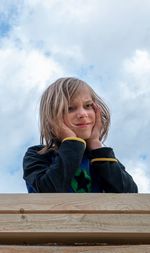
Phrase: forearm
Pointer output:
(58, 177)
(111, 173)
(54, 175)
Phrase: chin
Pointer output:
(84, 136)
(83, 133)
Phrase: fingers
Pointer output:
(55, 128)
(97, 110)
(62, 130)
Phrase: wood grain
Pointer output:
(76, 249)
(75, 218)
(72, 228)
(74, 203)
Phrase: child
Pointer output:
(74, 122)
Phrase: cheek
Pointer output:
(67, 120)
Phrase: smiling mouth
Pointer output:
(83, 125)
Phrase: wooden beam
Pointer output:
(71, 228)
(75, 218)
(76, 249)
(75, 203)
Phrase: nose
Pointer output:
(82, 113)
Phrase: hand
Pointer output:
(93, 142)
(62, 131)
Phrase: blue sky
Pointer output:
(104, 42)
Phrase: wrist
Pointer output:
(93, 144)
(74, 139)
(68, 135)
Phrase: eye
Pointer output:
(89, 106)
(71, 109)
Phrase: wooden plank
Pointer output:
(74, 218)
(75, 228)
(75, 203)
(76, 249)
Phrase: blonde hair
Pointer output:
(54, 103)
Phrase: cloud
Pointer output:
(139, 173)
(24, 75)
(9, 12)
(131, 116)
(138, 71)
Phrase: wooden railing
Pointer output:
(69, 223)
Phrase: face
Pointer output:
(81, 115)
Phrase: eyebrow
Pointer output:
(86, 101)
(89, 101)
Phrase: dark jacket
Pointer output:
(53, 171)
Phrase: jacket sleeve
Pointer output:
(53, 171)
(110, 173)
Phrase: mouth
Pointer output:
(83, 125)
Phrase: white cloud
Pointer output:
(139, 174)
(24, 74)
(12, 182)
(131, 117)
(138, 71)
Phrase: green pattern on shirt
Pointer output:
(82, 181)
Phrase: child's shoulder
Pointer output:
(33, 154)
(35, 148)
(36, 151)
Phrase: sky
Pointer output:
(103, 42)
